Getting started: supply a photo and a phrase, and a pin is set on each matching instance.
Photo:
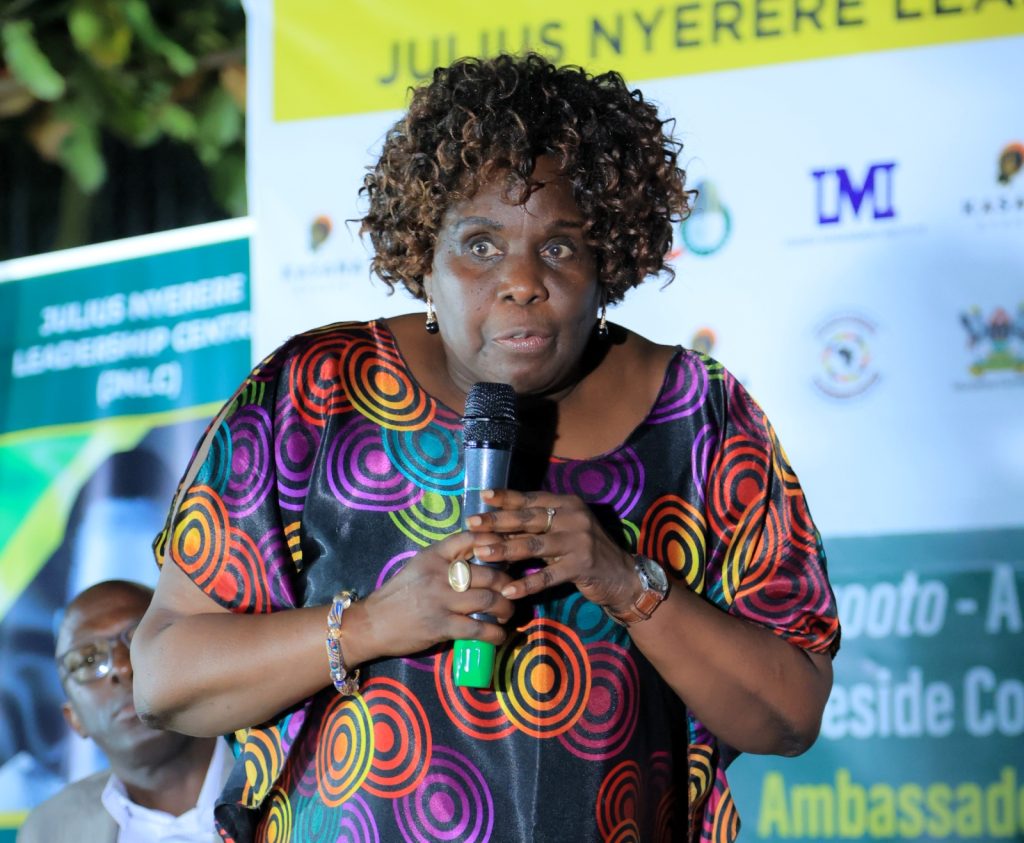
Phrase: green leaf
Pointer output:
(227, 183)
(138, 15)
(130, 109)
(28, 64)
(220, 120)
(99, 30)
(82, 158)
(208, 153)
(136, 127)
(176, 121)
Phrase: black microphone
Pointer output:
(489, 430)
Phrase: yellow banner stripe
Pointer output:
(346, 58)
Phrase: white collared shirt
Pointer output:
(144, 825)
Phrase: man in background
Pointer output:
(108, 535)
(161, 785)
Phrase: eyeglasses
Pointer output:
(93, 660)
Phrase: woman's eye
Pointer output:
(483, 249)
(560, 251)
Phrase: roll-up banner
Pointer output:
(113, 358)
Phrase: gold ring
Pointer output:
(458, 575)
(551, 517)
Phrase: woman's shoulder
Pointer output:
(682, 381)
(663, 366)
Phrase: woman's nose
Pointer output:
(524, 280)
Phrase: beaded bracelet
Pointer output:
(347, 683)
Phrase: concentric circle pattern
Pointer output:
(345, 749)
(615, 480)
(589, 620)
(700, 457)
(796, 520)
(273, 549)
(799, 611)
(332, 434)
(669, 818)
(430, 457)
(545, 678)
(252, 391)
(745, 415)
(754, 556)
(431, 519)
(453, 803)
(684, 392)
(630, 535)
(626, 831)
(401, 738)
(314, 383)
(381, 389)
(618, 800)
(302, 761)
(199, 536)
(291, 729)
(448, 419)
(673, 532)
(661, 792)
(250, 477)
(262, 759)
(702, 771)
(358, 825)
(242, 583)
(780, 464)
(477, 712)
(393, 566)
(314, 821)
(609, 719)
(360, 474)
(295, 448)
(276, 825)
(739, 476)
(726, 824)
(216, 468)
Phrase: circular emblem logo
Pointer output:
(847, 365)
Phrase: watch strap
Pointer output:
(649, 599)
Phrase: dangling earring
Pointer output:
(431, 326)
(602, 325)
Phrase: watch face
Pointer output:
(655, 574)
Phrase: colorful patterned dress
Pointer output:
(331, 467)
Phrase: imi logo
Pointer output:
(842, 194)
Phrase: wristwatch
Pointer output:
(655, 589)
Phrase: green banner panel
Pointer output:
(923, 736)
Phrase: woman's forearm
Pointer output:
(211, 672)
(751, 688)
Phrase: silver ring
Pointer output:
(458, 575)
(551, 517)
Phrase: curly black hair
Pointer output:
(478, 117)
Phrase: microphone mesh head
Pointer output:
(490, 415)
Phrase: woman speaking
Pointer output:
(654, 584)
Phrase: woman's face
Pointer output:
(515, 287)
